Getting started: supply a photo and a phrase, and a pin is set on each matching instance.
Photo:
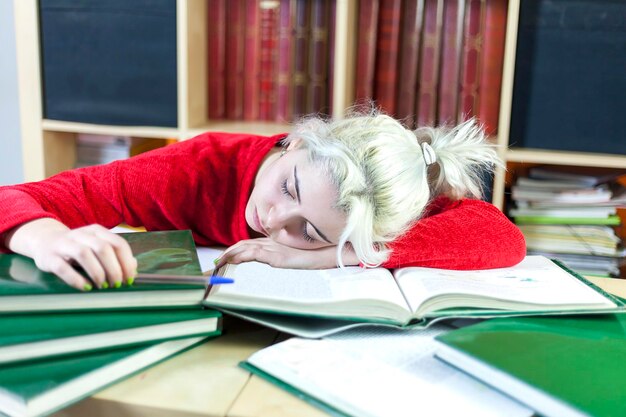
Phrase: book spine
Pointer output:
(331, 54)
(451, 47)
(492, 63)
(471, 61)
(412, 19)
(318, 57)
(366, 49)
(284, 111)
(429, 63)
(269, 60)
(252, 61)
(387, 46)
(235, 34)
(301, 48)
(216, 58)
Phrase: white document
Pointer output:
(383, 372)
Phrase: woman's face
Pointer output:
(292, 203)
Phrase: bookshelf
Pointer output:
(49, 145)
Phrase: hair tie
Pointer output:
(428, 153)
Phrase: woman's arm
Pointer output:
(466, 234)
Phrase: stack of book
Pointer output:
(431, 61)
(571, 217)
(59, 345)
(271, 61)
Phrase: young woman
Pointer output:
(360, 190)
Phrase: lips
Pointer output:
(257, 223)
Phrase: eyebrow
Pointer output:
(297, 185)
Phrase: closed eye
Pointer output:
(285, 190)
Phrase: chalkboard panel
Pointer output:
(109, 62)
(570, 76)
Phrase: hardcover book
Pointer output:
(43, 387)
(216, 58)
(286, 33)
(26, 337)
(301, 56)
(387, 45)
(268, 59)
(25, 288)
(252, 60)
(408, 297)
(317, 100)
(412, 18)
(366, 50)
(426, 107)
(471, 59)
(235, 37)
(561, 367)
(451, 46)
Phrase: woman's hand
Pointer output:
(105, 257)
(268, 251)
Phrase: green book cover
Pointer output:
(32, 336)
(566, 366)
(612, 220)
(23, 287)
(42, 387)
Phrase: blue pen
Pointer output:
(182, 279)
(217, 280)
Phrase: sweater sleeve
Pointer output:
(466, 234)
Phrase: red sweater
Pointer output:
(203, 184)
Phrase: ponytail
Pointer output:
(463, 154)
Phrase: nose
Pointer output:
(278, 218)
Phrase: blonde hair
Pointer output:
(379, 170)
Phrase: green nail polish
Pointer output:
(216, 261)
(105, 285)
(87, 287)
(117, 284)
(130, 281)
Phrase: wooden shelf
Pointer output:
(237, 126)
(134, 131)
(543, 156)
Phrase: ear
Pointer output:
(294, 144)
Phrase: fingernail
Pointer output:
(87, 287)
(130, 281)
(216, 261)
(117, 284)
(105, 285)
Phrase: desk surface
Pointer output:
(206, 381)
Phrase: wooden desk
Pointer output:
(206, 381)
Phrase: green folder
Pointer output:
(565, 366)
(42, 387)
(25, 288)
(27, 337)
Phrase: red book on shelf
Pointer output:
(427, 90)
(471, 61)
(366, 50)
(216, 57)
(387, 45)
(252, 60)
(235, 35)
(412, 19)
(451, 47)
(492, 62)
(286, 33)
(331, 54)
(301, 56)
(318, 57)
(269, 60)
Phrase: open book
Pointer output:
(404, 297)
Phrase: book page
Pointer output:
(535, 281)
(276, 287)
(383, 372)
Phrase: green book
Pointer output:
(295, 301)
(25, 288)
(42, 387)
(612, 220)
(567, 366)
(27, 337)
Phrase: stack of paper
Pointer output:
(571, 216)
